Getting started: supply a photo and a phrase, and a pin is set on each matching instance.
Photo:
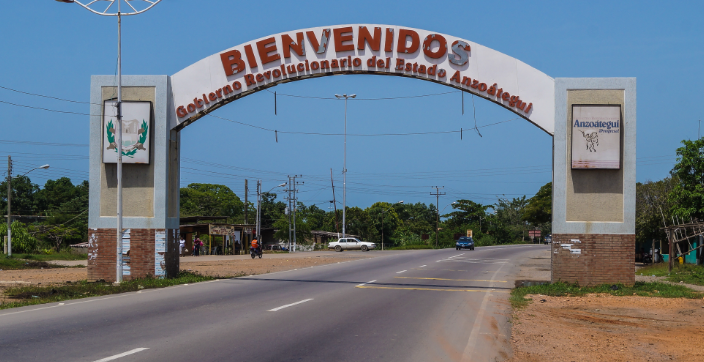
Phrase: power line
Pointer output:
(357, 134)
(45, 143)
(45, 96)
(47, 109)
(364, 99)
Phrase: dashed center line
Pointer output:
(369, 282)
(402, 271)
(423, 266)
(290, 305)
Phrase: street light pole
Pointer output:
(9, 208)
(9, 201)
(118, 140)
(344, 169)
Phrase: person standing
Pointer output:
(181, 245)
(196, 246)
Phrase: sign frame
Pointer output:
(140, 151)
(611, 144)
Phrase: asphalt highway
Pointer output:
(425, 305)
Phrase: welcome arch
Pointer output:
(593, 209)
(362, 49)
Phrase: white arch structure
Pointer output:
(363, 49)
(593, 209)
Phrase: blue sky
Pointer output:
(52, 49)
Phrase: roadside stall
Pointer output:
(218, 238)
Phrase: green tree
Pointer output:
(687, 197)
(302, 229)
(57, 234)
(272, 211)
(384, 219)
(417, 218)
(23, 239)
(359, 223)
(468, 212)
(653, 208)
(211, 200)
(58, 192)
(539, 208)
(23, 196)
(508, 225)
(313, 216)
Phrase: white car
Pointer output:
(350, 244)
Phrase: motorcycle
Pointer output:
(255, 252)
(647, 258)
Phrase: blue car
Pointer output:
(464, 242)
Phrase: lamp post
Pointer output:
(344, 168)
(119, 14)
(9, 200)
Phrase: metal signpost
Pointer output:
(118, 140)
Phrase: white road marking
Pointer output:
(121, 355)
(289, 305)
(402, 271)
(474, 335)
(369, 282)
(423, 266)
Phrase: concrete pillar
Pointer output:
(150, 191)
(593, 240)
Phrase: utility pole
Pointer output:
(437, 195)
(289, 213)
(246, 207)
(294, 200)
(334, 203)
(259, 210)
(8, 244)
(382, 228)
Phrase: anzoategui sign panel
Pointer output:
(365, 49)
(596, 136)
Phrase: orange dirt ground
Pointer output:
(268, 264)
(608, 328)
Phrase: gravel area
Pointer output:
(605, 327)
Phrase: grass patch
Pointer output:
(31, 295)
(17, 264)
(661, 290)
(412, 247)
(686, 273)
(53, 256)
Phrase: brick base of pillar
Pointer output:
(102, 252)
(593, 259)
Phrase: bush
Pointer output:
(22, 240)
(486, 240)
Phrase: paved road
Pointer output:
(426, 305)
